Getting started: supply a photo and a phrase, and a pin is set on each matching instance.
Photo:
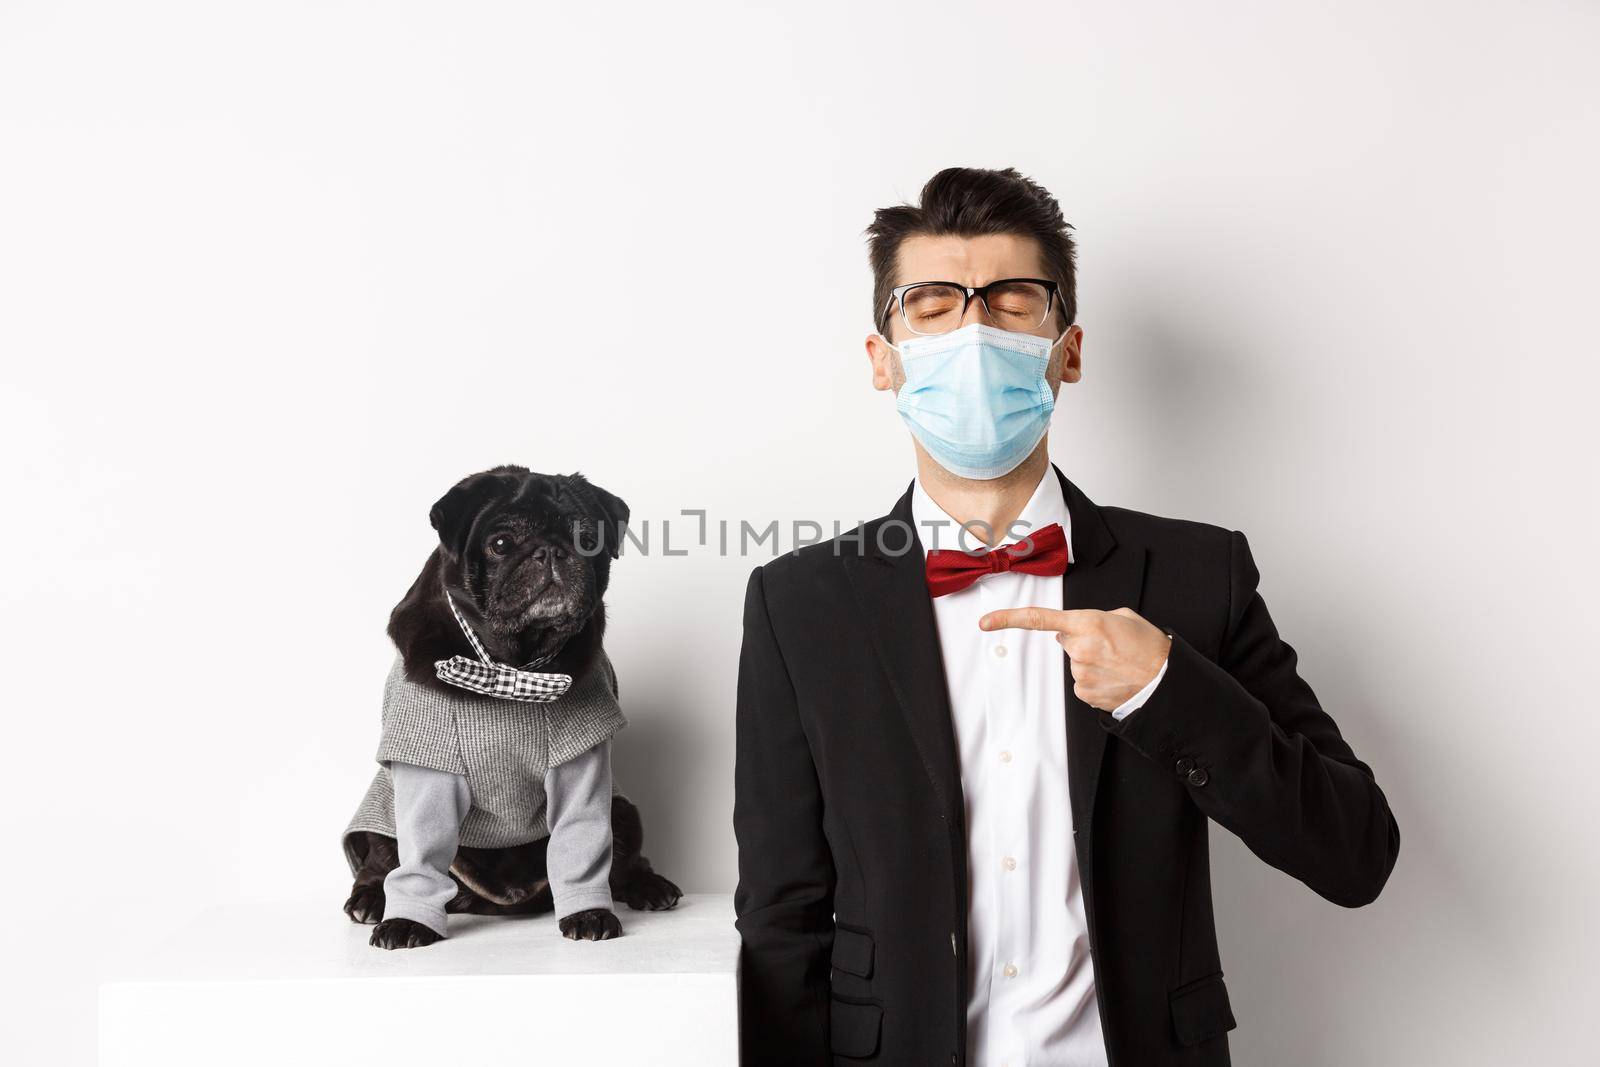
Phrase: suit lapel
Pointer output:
(890, 586)
(1106, 576)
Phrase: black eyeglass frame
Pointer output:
(897, 295)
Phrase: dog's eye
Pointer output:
(500, 544)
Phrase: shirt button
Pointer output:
(1010, 971)
(999, 651)
(1010, 863)
(1005, 756)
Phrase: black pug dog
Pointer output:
(536, 594)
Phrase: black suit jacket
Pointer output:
(852, 895)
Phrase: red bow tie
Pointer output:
(1044, 551)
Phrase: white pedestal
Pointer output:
(289, 986)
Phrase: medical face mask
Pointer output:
(977, 398)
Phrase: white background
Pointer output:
(274, 276)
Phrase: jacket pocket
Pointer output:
(852, 951)
(853, 1028)
(1200, 1010)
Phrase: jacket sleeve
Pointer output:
(1261, 758)
(784, 899)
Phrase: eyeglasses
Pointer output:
(939, 307)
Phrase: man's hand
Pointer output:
(1114, 654)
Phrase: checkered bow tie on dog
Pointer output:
(496, 679)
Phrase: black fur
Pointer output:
(533, 595)
(402, 933)
(594, 924)
(578, 529)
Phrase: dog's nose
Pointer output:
(547, 553)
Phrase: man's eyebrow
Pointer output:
(962, 285)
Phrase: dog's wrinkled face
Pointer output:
(532, 552)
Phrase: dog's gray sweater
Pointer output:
(467, 769)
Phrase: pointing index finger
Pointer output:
(1056, 620)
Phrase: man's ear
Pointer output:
(452, 514)
(885, 365)
(607, 510)
(1072, 355)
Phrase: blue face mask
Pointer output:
(977, 398)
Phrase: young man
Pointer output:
(975, 769)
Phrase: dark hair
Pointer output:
(969, 202)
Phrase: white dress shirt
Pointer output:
(1032, 999)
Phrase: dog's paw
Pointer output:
(402, 933)
(648, 892)
(593, 924)
(365, 905)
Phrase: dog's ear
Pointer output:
(453, 513)
(606, 510)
